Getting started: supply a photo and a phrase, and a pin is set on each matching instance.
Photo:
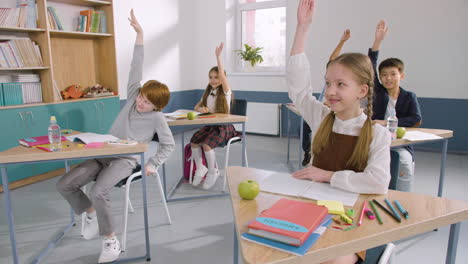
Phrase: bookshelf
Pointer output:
(69, 57)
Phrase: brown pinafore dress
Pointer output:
(335, 157)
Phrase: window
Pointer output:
(262, 23)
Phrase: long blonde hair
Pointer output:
(361, 67)
(221, 104)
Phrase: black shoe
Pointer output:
(306, 160)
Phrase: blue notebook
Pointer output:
(300, 251)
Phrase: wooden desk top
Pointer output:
(220, 118)
(25, 154)
(426, 214)
(438, 132)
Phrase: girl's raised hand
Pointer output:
(381, 30)
(346, 35)
(305, 12)
(314, 174)
(219, 49)
(134, 22)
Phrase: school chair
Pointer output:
(385, 254)
(125, 184)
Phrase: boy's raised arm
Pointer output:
(136, 68)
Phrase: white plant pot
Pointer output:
(247, 67)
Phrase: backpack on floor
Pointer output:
(189, 164)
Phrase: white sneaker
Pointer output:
(211, 178)
(91, 228)
(199, 174)
(110, 250)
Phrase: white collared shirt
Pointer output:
(211, 100)
(376, 176)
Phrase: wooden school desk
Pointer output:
(23, 155)
(444, 134)
(426, 214)
(218, 119)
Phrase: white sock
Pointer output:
(197, 156)
(210, 159)
(91, 215)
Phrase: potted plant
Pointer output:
(251, 56)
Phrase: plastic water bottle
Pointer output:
(392, 124)
(55, 138)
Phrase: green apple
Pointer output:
(248, 189)
(191, 115)
(400, 132)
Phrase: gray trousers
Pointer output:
(106, 172)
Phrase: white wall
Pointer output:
(429, 36)
(169, 32)
(180, 36)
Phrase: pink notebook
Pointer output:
(33, 141)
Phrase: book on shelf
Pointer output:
(87, 13)
(55, 17)
(12, 94)
(284, 183)
(299, 251)
(288, 221)
(20, 53)
(23, 16)
(103, 22)
(34, 141)
(95, 19)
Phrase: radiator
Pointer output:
(263, 118)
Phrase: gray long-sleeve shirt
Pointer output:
(133, 125)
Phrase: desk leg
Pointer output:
(236, 247)
(453, 242)
(145, 209)
(9, 213)
(244, 139)
(301, 135)
(442, 167)
(289, 135)
(72, 213)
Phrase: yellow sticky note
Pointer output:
(334, 207)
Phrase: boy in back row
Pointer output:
(390, 97)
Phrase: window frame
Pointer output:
(238, 38)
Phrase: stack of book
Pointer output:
(24, 16)
(21, 89)
(92, 21)
(53, 19)
(289, 225)
(19, 53)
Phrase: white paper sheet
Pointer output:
(419, 136)
(284, 183)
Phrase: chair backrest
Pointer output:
(239, 107)
(394, 169)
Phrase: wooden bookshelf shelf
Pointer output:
(17, 29)
(61, 33)
(83, 2)
(24, 69)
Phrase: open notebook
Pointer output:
(91, 138)
(284, 183)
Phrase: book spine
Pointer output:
(95, 22)
(103, 23)
(56, 18)
(2, 103)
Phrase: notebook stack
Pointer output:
(21, 89)
(289, 225)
